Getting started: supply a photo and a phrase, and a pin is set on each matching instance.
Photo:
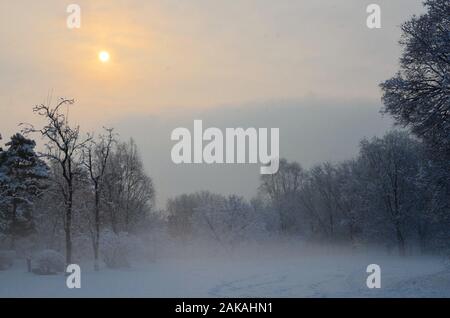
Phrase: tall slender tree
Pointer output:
(63, 146)
(95, 158)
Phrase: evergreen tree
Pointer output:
(21, 176)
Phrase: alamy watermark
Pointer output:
(374, 278)
(374, 19)
(73, 280)
(236, 145)
(74, 18)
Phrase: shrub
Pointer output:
(48, 262)
(6, 259)
(115, 249)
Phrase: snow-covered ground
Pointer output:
(321, 273)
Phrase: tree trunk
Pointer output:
(400, 240)
(97, 228)
(68, 227)
(29, 265)
(352, 235)
(331, 224)
(13, 225)
(422, 232)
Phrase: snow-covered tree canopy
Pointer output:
(21, 170)
(419, 95)
(21, 182)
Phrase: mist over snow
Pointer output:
(283, 269)
(92, 203)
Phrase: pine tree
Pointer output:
(21, 180)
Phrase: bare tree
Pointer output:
(95, 159)
(282, 190)
(418, 95)
(63, 147)
(390, 168)
(129, 192)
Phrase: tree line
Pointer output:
(396, 192)
(91, 190)
(78, 187)
(387, 196)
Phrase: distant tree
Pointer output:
(180, 212)
(348, 198)
(323, 177)
(331, 195)
(390, 165)
(226, 220)
(182, 209)
(433, 203)
(282, 190)
(127, 190)
(22, 173)
(419, 95)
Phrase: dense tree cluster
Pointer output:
(77, 189)
(386, 196)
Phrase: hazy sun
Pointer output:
(103, 56)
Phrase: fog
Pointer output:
(92, 204)
(311, 131)
(282, 269)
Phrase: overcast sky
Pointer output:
(310, 68)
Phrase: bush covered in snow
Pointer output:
(6, 259)
(48, 262)
(117, 249)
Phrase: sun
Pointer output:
(103, 56)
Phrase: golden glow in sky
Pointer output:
(103, 56)
(157, 55)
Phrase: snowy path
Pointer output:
(311, 276)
